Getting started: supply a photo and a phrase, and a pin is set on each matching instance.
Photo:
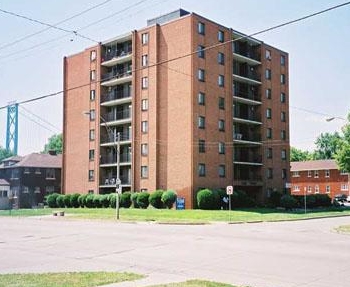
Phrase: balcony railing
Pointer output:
(116, 75)
(110, 181)
(250, 74)
(115, 95)
(248, 158)
(111, 159)
(247, 137)
(121, 115)
(250, 95)
(249, 178)
(113, 138)
(117, 54)
(244, 116)
(246, 51)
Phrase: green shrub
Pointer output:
(125, 199)
(323, 200)
(134, 199)
(97, 201)
(240, 199)
(288, 202)
(89, 201)
(66, 200)
(60, 201)
(206, 199)
(311, 201)
(169, 198)
(142, 200)
(275, 199)
(112, 200)
(51, 200)
(104, 200)
(74, 200)
(155, 199)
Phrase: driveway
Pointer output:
(276, 254)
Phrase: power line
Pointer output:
(47, 25)
(41, 119)
(56, 24)
(194, 52)
(36, 122)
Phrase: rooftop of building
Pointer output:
(326, 164)
(33, 160)
(3, 182)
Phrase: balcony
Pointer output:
(116, 78)
(247, 97)
(246, 138)
(120, 117)
(111, 160)
(254, 180)
(247, 159)
(246, 74)
(106, 140)
(114, 56)
(245, 118)
(109, 182)
(115, 97)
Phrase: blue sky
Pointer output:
(318, 49)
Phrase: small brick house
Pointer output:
(31, 177)
(318, 176)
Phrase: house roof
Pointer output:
(3, 182)
(313, 165)
(38, 160)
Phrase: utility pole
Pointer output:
(118, 187)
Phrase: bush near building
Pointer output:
(60, 201)
(125, 199)
(51, 199)
(169, 198)
(143, 200)
(74, 200)
(66, 200)
(134, 200)
(288, 202)
(155, 199)
(206, 199)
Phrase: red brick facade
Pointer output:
(179, 131)
(323, 177)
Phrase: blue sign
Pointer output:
(180, 203)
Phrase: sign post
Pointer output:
(229, 192)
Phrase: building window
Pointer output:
(284, 173)
(37, 170)
(92, 95)
(295, 174)
(284, 154)
(25, 189)
(317, 189)
(283, 79)
(283, 135)
(201, 75)
(309, 189)
(90, 191)
(269, 173)
(344, 187)
(283, 116)
(201, 122)
(93, 55)
(144, 149)
(221, 81)
(144, 60)
(201, 98)
(326, 173)
(309, 173)
(91, 175)
(92, 115)
(201, 28)
(283, 60)
(144, 105)
(268, 54)
(268, 74)
(201, 51)
(268, 93)
(37, 189)
(221, 58)
(221, 148)
(316, 173)
(328, 189)
(144, 171)
(221, 103)
(221, 124)
(268, 113)
(93, 75)
(269, 152)
(144, 38)
(283, 97)
(222, 170)
(26, 170)
(144, 83)
(92, 134)
(221, 36)
(201, 146)
(144, 126)
(91, 154)
(50, 173)
(296, 188)
(269, 133)
(201, 169)
(50, 189)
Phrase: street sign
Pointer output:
(229, 190)
(118, 181)
(180, 203)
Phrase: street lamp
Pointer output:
(116, 147)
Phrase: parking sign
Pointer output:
(229, 190)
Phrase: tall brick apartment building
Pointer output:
(319, 176)
(197, 105)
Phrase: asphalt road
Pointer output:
(284, 254)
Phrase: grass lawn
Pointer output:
(343, 229)
(71, 279)
(195, 283)
(182, 216)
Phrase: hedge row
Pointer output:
(276, 199)
(158, 199)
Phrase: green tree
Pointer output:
(327, 145)
(54, 143)
(4, 153)
(300, 155)
(343, 154)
